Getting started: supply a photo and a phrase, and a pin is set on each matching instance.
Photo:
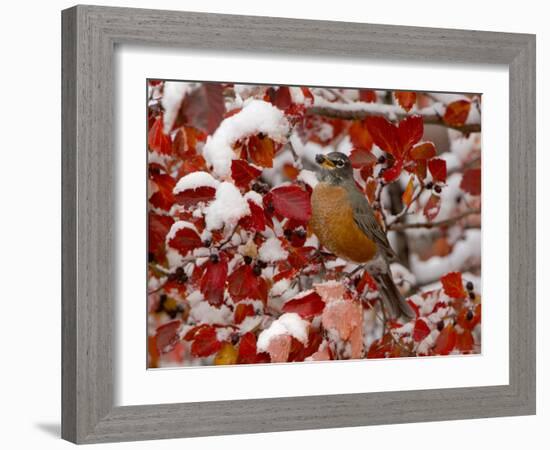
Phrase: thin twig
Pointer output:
(441, 223)
(405, 210)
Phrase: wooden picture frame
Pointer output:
(90, 34)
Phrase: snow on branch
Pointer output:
(359, 110)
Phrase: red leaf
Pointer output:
(158, 228)
(157, 140)
(438, 169)
(243, 173)
(255, 221)
(457, 113)
(453, 286)
(432, 207)
(191, 197)
(205, 342)
(307, 306)
(406, 99)
(280, 97)
(163, 198)
(213, 281)
(425, 150)
(247, 349)
(384, 134)
(292, 202)
(290, 171)
(409, 191)
(185, 240)
(367, 95)
(446, 341)
(421, 330)
(242, 284)
(360, 158)
(392, 173)
(410, 131)
(359, 135)
(167, 335)
(465, 341)
(242, 311)
(261, 150)
(366, 282)
(203, 108)
(471, 182)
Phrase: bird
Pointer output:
(345, 224)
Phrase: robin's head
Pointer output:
(335, 168)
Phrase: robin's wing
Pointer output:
(365, 219)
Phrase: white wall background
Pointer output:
(30, 223)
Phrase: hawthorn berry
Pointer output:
(470, 286)
(472, 295)
(469, 315)
(437, 189)
(429, 185)
(247, 260)
(381, 159)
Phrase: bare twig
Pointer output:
(359, 114)
(441, 223)
(405, 210)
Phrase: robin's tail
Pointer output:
(394, 302)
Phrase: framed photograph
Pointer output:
(268, 230)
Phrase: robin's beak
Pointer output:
(323, 161)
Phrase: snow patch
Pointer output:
(195, 180)
(228, 207)
(272, 251)
(290, 324)
(256, 117)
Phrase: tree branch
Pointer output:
(358, 114)
(441, 223)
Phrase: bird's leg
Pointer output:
(354, 271)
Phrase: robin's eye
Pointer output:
(339, 163)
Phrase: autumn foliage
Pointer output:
(235, 275)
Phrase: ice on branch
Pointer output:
(256, 117)
(289, 324)
(228, 207)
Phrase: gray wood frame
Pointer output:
(90, 34)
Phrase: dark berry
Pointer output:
(472, 295)
(469, 315)
(458, 198)
(437, 189)
(440, 325)
(262, 264)
(179, 272)
(381, 159)
(183, 278)
(257, 270)
(300, 233)
(429, 185)
(470, 286)
(214, 258)
(288, 233)
(261, 135)
(207, 243)
(260, 187)
(247, 259)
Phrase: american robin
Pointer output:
(345, 224)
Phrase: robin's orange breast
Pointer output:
(332, 222)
